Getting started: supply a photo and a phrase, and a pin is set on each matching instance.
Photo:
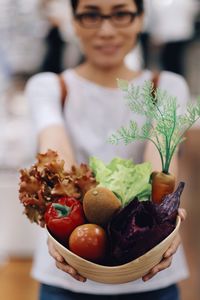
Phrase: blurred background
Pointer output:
(31, 33)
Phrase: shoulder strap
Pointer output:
(63, 89)
(155, 82)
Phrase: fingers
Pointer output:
(71, 271)
(165, 263)
(54, 253)
(62, 264)
(177, 240)
(182, 214)
(173, 247)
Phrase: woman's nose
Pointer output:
(107, 28)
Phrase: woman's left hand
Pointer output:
(168, 255)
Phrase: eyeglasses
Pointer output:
(94, 19)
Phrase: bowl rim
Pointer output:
(178, 222)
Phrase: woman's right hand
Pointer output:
(62, 264)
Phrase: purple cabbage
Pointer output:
(140, 226)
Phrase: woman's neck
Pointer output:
(105, 76)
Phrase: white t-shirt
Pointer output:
(91, 114)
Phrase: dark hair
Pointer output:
(139, 4)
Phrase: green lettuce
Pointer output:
(124, 178)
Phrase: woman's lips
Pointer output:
(108, 49)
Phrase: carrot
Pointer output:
(162, 185)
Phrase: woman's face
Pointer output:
(105, 44)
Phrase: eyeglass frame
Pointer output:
(78, 17)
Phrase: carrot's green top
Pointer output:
(164, 126)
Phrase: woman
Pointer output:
(93, 109)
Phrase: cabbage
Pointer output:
(124, 178)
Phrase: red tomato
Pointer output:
(88, 241)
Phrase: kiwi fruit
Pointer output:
(99, 204)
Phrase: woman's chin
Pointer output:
(108, 63)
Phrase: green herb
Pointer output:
(164, 127)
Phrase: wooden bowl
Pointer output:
(118, 274)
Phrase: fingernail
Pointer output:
(145, 278)
(60, 259)
(167, 254)
(81, 279)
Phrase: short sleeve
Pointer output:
(44, 98)
(176, 86)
